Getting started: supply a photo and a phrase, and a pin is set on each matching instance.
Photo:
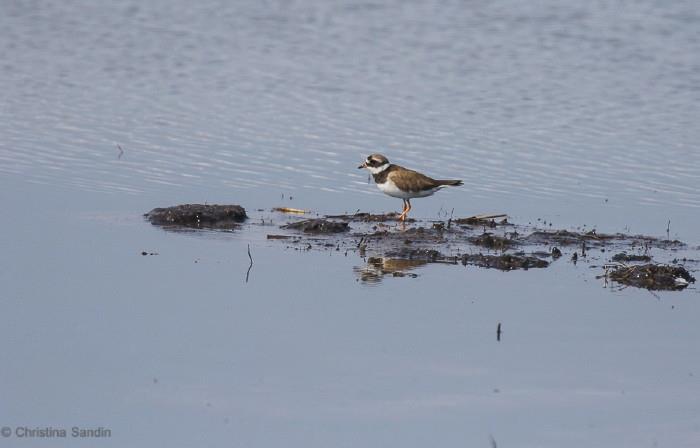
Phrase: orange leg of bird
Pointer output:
(406, 209)
(402, 216)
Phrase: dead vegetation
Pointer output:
(655, 277)
(492, 241)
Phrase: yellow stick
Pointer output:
(289, 210)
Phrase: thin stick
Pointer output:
(290, 210)
(247, 274)
(480, 217)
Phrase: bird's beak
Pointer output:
(364, 165)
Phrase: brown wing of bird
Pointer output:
(410, 180)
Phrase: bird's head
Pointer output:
(375, 163)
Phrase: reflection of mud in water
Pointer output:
(377, 267)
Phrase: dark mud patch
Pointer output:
(492, 241)
(595, 239)
(624, 257)
(423, 254)
(568, 238)
(505, 262)
(483, 220)
(318, 226)
(198, 216)
(655, 277)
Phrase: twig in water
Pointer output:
(493, 442)
(247, 274)
(121, 152)
(290, 210)
(488, 216)
(498, 332)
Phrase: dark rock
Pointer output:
(556, 253)
(198, 216)
(318, 226)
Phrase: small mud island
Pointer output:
(486, 241)
(198, 216)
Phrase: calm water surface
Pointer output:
(578, 113)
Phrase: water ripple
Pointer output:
(551, 101)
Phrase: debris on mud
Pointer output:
(595, 239)
(568, 238)
(483, 220)
(425, 255)
(391, 248)
(505, 262)
(652, 276)
(198, 216)
(491, 241)
(318, 226)
(368, 217)
(623, 257)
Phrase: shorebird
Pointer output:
(400, 182)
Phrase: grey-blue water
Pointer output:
(573, 112)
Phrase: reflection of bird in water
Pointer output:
(378, 267)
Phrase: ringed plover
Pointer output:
(400, 182)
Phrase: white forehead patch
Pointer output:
(378, 169)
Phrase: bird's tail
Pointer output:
(452, 183)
